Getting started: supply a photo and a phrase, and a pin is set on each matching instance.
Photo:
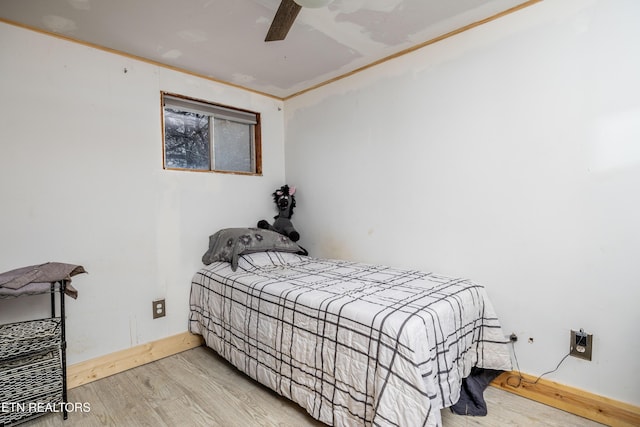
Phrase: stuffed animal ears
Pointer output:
(292, 191)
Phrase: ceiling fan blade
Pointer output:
(282, 22)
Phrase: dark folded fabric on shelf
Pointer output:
(38, 278)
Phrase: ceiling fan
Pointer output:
(286, 14)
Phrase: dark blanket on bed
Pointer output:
(471, 400)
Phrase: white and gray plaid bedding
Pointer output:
(353, 344)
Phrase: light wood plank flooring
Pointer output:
(199, 388)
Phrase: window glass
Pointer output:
(233, 146)
(186, 139)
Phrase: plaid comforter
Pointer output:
(353, 344)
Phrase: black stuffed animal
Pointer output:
(285, 202)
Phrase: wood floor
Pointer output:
(198, 388)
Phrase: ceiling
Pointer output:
(224, 39)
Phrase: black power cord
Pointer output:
(520, 379)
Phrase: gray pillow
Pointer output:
(229, 243)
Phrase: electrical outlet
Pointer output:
(158, 308)
(581, 344)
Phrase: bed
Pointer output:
(352, 343)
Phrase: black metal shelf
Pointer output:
(33, 360)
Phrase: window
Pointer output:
(207, 137)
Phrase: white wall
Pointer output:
(509, 154)
(81, 182)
